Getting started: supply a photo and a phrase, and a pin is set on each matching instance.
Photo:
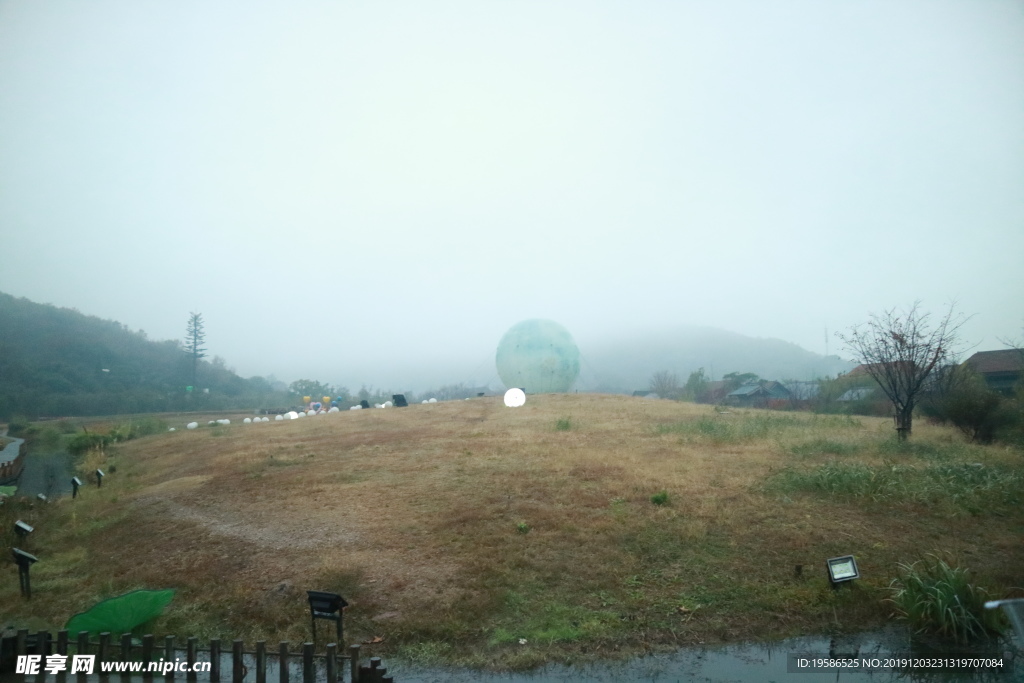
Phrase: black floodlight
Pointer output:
(399, 400)
(23, 558)
(75, 483)
(842, 569)
(328, 606)
(24, 561)
(22, 529)
(99, 478)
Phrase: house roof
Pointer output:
(856, 394)
(1005, 360)
(746, 390)
(774, 389)
(803, 390)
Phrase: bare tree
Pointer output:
(665, 384)
(900, 349)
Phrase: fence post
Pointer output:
(354, 653)
(332, 662)
(261, 661)
(308, 670)
(126, 654)
(147, 655)
(169, 656)
(236, 662)
(83, 649)
(190, 656)
(282, 658)
(62, 649)
(21, 642)
(215, 660)
(103, 654)
(43, 644)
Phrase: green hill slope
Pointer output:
(57, 361)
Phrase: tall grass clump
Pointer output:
(938, 599)
(824, 446)
(925, 450)
(742, 427)
(967, 487)
(563, 424)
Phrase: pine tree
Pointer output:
(194, 339)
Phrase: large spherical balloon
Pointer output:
(539, 356)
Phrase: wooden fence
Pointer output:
(235, 666)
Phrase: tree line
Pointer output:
(910, 366)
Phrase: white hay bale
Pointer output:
(356, 408)
(301, 414)
(191, 425)
(433, 400)
(264, 419)
(247, 421)
(223, 422)
(278, 417)
(292, 415)
(171, 429)
(388, 404)
(311, 413)
(334, 409)
(212, 422)
(424, 401)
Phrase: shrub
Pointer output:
(563, 424)
(83, 443)
(660, 498)
(17, 426)
(523, 528)
(939, 599)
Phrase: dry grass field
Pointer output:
(467, 532)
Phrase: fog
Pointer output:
(374, 192)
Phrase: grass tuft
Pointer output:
(938, 599)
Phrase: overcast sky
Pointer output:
(356, 191)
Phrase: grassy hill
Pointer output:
(57, 361)
(577, 525)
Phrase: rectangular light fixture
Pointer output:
(841, 569)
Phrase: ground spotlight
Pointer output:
(841, 570)
(24, 561)
(75, 483)
(22, 529)
(327, 606)
(42, 497)
(99, 478)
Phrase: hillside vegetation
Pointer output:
(577, 525)
(57, 361)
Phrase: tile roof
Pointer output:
(1006, 360)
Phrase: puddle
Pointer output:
(746, 663)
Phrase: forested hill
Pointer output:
(57, 361)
